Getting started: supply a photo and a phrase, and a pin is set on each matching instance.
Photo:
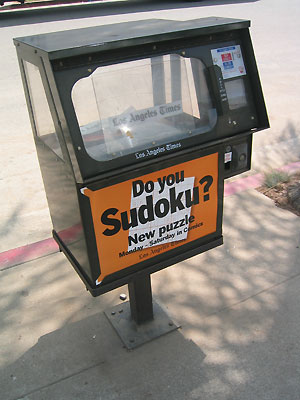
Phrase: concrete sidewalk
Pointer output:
(25, 217)
(238, 306)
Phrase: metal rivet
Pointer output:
(61, 63)
(123, 296)
(79, 148)
(234, 122)
(171, 323)
(35, 51)
(252, 117)
(154, 47)
(120, 311)
(183, 53)
(113, 313)
(89, 70)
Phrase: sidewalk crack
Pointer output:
(24, 396)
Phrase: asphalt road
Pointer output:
(275, 34)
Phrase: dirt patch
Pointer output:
(285, 195)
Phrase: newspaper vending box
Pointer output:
(136, 127)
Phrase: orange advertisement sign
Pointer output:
(143, 217)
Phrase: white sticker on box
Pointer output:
(228, 157)
(230, 60)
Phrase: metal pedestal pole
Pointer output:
(140, 295)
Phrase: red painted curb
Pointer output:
(30, 252)
(43, 5)
(254, 181)
(242, 184)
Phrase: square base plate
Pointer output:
(134, 335)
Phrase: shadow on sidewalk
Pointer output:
(11, 221)
(283, 148)
(87, 361)
(238, 306)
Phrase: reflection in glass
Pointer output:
(41, 112)
(133, 106)
(236, 93)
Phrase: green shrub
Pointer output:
(274, 177)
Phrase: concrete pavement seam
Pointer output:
(58, 381)
(254, 295)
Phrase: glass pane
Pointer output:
(133, 106)
(236, 93)
(42, 116)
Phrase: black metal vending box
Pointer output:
(136, 127)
